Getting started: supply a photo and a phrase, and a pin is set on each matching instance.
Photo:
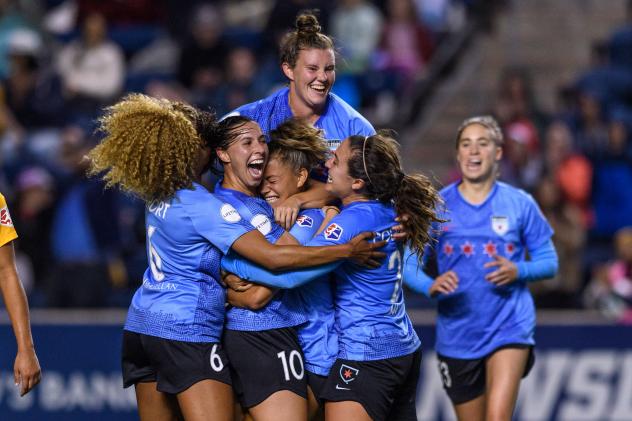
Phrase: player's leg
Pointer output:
(473, 410)
(314, 411)
(464, 382)
(504, 369)
(346, 410)
(207, 400)
(154, 405)
(280, 406)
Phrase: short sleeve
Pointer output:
(536, 230)
(218, 222)
(7, 230)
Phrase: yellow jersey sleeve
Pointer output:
(7, 231)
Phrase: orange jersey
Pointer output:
(7, 231)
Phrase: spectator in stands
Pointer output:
(612, 178)
(570, 238)
(92, 68)
(35, 200)
(201, 66)
(571, 170)
(85, 236)
(522, 165)
(356, 26)
(589, 128)
(611, 288)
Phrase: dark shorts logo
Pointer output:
(348, 374)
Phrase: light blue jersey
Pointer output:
(371, 318)
(338, 121)
(479, 317)
(180, 298)
(318, 337)
(284, 310)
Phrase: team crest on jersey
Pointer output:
(261, 223)
(348, 373)
(304, 221)
(5, 217)
(229, 213)
(500, 224)
(333, 232)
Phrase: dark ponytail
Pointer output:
(375, 160)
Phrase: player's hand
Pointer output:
(445, 283)
(506, 273)
(235, 283)
(364, 252)
(399, 230)
(26, 370)
(285, 214)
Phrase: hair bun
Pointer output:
(307, 22)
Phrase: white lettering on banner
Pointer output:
(563, 385)
(623, 403)
(78, 391)
(540, 391)
(589, 386)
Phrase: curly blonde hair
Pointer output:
(150, 149)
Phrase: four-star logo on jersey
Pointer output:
(5, 218)
(467, 248)
(500, 224)
(510, 249)
(348, 373)
(304, 221)
(333, 232)
(448, 249)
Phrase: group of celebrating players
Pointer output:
(283, 286)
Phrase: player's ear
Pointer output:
(303, 175)
(499, 153)
(288, 71)
(222, 155)
(357, 185)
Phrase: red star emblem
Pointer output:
(347, 374)
(490, 249)
(467, 248)
(509, 249)
(448, 249)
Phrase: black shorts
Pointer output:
(316, 382)
(265, 362)
(385, 388)
(173, 365)
(464, 380)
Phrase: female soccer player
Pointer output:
(486, 314)
(376, 372)
(158, 150)
(308, 61)
(295, 149)
(26, 369)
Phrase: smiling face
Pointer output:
(245, 158)
(280, 181)
(477, 154)
(339, 182)
(311, 79)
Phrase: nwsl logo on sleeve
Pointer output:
(333, 232)
(305, 221)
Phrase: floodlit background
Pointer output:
(557, 74)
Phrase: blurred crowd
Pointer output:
(62, 61)
(577, 162)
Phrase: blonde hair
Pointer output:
(151, 146)
(298, 144)
(487, 121)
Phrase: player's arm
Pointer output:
(543, 264)
(314, 197)
(416, 279)
(256, 296)
(254, 246)
(26, 370)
